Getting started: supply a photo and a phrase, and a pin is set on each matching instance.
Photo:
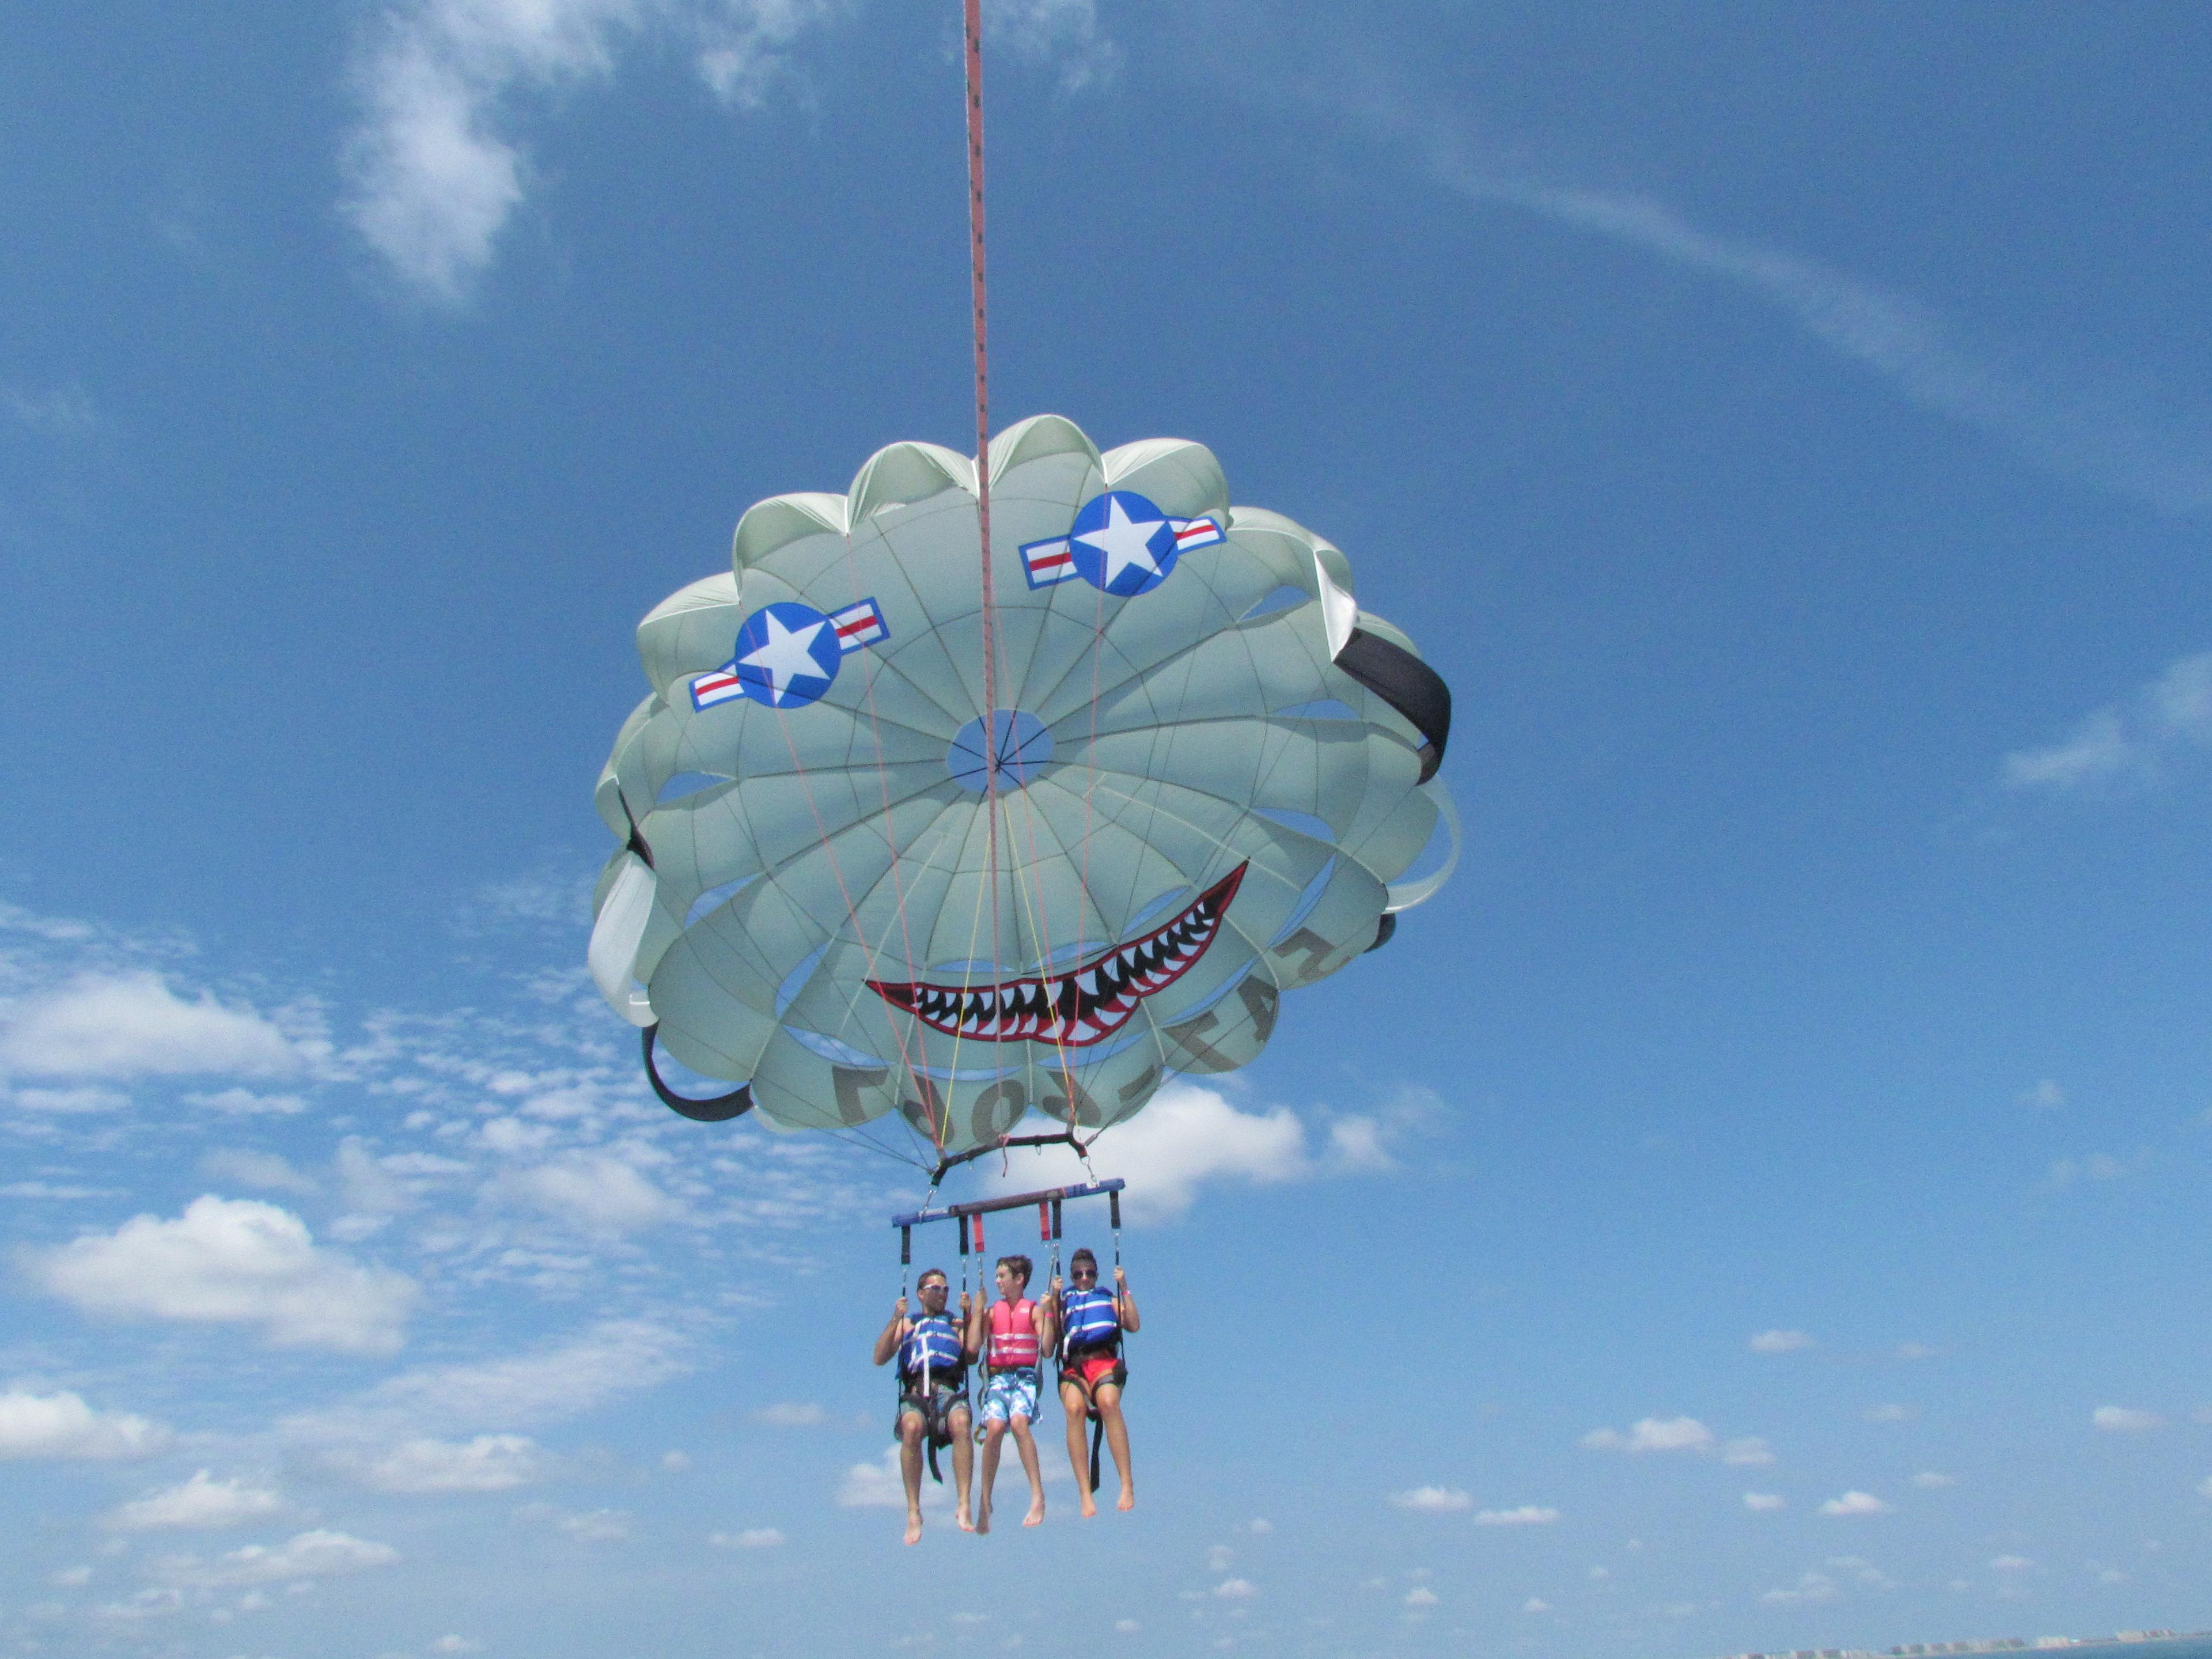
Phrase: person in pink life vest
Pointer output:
(933, 1352)
(1019, 1333)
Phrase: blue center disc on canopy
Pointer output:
(1018, 749)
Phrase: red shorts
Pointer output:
(1095, 1369)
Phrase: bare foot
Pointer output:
(1035, 1516)
(966, 1525)
(1129, 1499)
(1090, 1507)
(914, 1526)
(982, 1517)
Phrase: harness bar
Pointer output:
(1064, 1137)
(981, 1207)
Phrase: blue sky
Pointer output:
(1757, 1204)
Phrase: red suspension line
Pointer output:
(974, 20)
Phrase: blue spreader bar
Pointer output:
(1019, 1200)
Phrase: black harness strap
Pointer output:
(1407, 685)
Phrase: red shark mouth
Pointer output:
(1085, 1004)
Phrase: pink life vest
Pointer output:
(1013, 1346)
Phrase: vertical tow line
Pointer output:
(973, 17)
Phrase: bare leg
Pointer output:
(1026, 1443)
(1117, 1442)
(994, 1431)
(963, 1461)
(910, 1471)
(1078, 1455)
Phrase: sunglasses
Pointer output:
(1083, 1273)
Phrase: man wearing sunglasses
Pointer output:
(934, 1355)
(1091, 1371)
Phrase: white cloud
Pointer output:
(1931, 1480)
(1910, 1350)
(80, 1102)
(456, 1644)
(1127, 1626)
(1891, 1413)
(265, 1170)
(594, 1191)
(1260, 1526)
(132, 1024)
(676, 1463)
(244, 1102)
(1779, 1342)
(1186, 1136)
(1535, 1604)
(487, 1462)
(1810, 1587)
(232, 1262)
(61, 1424)
(1527, 1515)
(1855, 1503)
(317, 1554)
(2097, 1166)
(1431, 1500)
(202, 1501)
(1763, 1500)
(2125, 1419)
(752, 1538)
(1236, 1589)
(65, 410)
(1749, 1453)
(2131, 741)
(1421, 1596)
(433, 175)
(1218, 1556)
(1654, 1434)
(1063, 33)
(2046, 1096)
(791, 1414)
(2012, 1563)
(550, 1383)
(878, 1485)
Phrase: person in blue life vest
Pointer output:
(1091, 1371)
(1019, 1334)
(933, 1354)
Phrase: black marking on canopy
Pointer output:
(718, 1109)
(1407, 685)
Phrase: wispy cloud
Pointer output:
(133, 1025)
(202, 1501)
(1855, 1503)
(2125, 1419)
(2084, 424)
(1431, 1500)
(436, 165)
(1779, 1342)
(1522, 1515)
(1653, 1434)
(2133, 742)
(61, 410)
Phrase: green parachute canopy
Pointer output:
(846, 883)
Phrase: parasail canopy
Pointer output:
(865, 885)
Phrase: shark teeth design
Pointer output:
(1089, 1002)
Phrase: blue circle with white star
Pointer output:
(1121, 542)
(786, 654)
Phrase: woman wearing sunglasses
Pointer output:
(1091, 1371)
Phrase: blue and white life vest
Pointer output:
(932, 1339)
(1088, 1318)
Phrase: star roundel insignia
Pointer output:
(787, 655)
(1123, 543)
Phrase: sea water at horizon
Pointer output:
(2198, 1646)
